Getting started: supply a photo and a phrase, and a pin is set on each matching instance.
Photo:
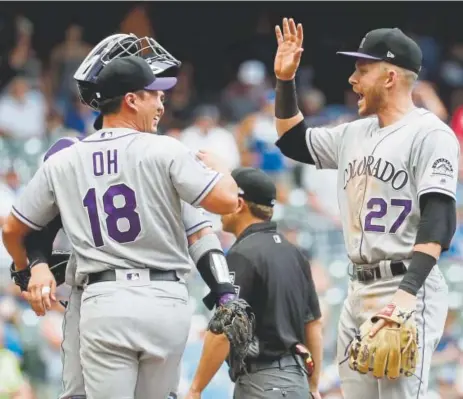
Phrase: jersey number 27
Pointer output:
(113, 214)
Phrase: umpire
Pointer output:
(273, 276)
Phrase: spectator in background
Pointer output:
(51, 333)
(451, 71)
(80, 117)
(425, 96)
(64, 60)
(182, 100)
(256, 137)
(22, 110)
(11, 378)
(32, 67)
(244, 95)
(456, 107)
(206, 134)
(56, 128)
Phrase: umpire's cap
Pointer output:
(255, 186)
(390, 45)
(126, 75)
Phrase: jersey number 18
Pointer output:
(114, 214)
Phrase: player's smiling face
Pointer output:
(149, 108)
(368, 82)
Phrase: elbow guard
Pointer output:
(213, 268)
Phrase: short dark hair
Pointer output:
(262, 212)
(113, 105)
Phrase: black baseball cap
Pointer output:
(255, 186)
(390, 45)
(125, 75)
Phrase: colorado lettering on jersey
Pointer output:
(379, 168)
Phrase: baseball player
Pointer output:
(397, 174)
(119, 195)
(204, 246)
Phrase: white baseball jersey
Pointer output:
(119, 195)
(382, 172)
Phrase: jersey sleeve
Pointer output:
(242, 275)
(436, 164)
(36, 205)
(192, 179)
(60, 144)
(324, 143)
(194, 219)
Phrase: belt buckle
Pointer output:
(366, 275)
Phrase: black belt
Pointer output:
(254, 365)
(374, 273)
(110, 275)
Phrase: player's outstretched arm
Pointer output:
(223, 198)
(202, 179)
(287, 60)
(318, 146)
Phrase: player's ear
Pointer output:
(241, 205)
(391, 77)
(131, 100)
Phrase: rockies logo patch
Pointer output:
(442, 167)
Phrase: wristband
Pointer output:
(37, 260)
(286, 99)
(417, 273)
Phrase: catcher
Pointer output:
(204, 247)
(271, 274)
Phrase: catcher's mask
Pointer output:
(116, 46)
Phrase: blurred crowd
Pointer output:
(41, 104)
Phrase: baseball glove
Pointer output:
(236, 320)
(392, 352)
(57, 263)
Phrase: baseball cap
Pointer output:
(390, 45)
(125, 75)
(255, 186)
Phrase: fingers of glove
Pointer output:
(379, 362)
(364, 357)
(353, 354)
(409, 357)
(393, 363)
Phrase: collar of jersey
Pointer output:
(110, 133)
(400, 123)
(256, 228)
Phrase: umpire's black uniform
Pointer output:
(273, 276)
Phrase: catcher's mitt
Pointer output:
(392, 352)
(236, 320)
(57, 263)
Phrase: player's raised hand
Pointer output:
(289, 50)
(42, 289)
